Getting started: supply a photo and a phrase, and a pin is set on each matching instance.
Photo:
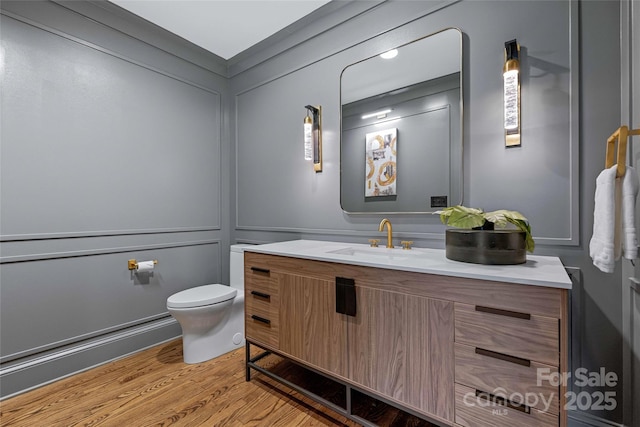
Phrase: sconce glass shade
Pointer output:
(511, 101)
(308, 138)
(511, 76)
(313, 136)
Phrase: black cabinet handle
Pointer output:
(346, 296)
(260, 294)
(261, 319)
(505, 357)
(260, 270)
(502, 401)
(500, 312)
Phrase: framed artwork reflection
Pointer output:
(380, 163)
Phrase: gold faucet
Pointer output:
(386, 222)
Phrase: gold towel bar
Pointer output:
(619, 135)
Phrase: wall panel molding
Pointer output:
(111, 134)
(54, 300)
(102, 233)
(553, 139)
(113, 148)
(103, 251)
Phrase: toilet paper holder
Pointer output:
(133, 264)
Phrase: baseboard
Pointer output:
(24, 375)
(582, 419)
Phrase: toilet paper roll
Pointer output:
(145, 266)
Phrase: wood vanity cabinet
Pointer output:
(442, 346)
(311, 330)
(298, 318)
(400, 346)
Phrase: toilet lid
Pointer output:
(201, 295)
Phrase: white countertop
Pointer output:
(538, 270)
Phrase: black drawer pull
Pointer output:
(502, 401)
(500, 312)
(260, 270)
(261, 319)
(260, 294)
(505, 357)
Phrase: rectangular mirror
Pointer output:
(401, 128)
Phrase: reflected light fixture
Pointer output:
(390, 54)
(313, 136)
(511, 75)
(377, 114)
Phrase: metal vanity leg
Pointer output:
(246, 361)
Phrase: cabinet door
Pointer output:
(402, 347)
(310, 328)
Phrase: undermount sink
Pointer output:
(376, 253)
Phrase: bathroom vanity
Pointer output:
(455, 343)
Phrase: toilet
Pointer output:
(212, 316)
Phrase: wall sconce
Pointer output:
(511, 74)
(313, 136)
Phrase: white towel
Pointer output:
(601, 246)
(629, 194)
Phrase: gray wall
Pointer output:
(571, 98)
(273, 174)
(111, 150)
(74, 241)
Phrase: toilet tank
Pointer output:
(236, 266)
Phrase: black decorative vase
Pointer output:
(496, 247)
(488, 225)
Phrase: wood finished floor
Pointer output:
(156, 388)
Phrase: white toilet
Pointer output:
(212, 316)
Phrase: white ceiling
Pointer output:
(223, 27)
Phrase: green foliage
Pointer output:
(468, 218)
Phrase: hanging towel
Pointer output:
(602, 245)
(628, 235)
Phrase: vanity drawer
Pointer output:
(517, 334)
(495, 373)
(260, 279)
(262, 288)
(479, 410)
(261, 327)
(261, 301)
(257, 302)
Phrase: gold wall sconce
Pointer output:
(313, 136)
(511, 75)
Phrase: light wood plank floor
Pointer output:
(156, 388)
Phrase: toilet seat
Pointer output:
(201, 296)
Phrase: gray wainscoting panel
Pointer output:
(276, 187)
(634, 347)
(111, 149)
(277, 191)
(99, 143)
(539, 178)
(53, 302)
